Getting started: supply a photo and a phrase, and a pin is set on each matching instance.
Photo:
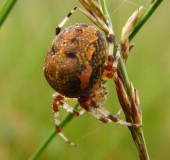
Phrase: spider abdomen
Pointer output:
(75, 60)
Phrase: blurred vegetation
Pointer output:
(25, 115)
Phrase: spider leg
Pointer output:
(58, 101)
(119, 112)
(93, 112)
(95, 108)
(61, 24)
(110, 69)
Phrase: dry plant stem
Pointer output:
(128, 96)
(152, 6)
(129, 100)
(137, 133)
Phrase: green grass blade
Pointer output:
(5, 10)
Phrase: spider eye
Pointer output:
(52, 52)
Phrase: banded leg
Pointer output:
(91, 110)
(58, 101)
(110, 70)
(95, 108)
(61, 24)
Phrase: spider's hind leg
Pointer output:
(58, 100)
(61, 24)
(92, 103)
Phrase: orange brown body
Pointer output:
(75, 60)
(77, 66)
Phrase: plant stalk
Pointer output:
(137, 134)
(69, 116)
(5, 10)
(150, 10)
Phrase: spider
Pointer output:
(76, 66)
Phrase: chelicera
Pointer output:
(77, 65)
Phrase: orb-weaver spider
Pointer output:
(77, 65)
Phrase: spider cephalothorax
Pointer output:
(77, 66)
(75, 60)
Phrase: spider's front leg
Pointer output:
(58, 100)
(58, 29)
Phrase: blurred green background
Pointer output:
(26, 118)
